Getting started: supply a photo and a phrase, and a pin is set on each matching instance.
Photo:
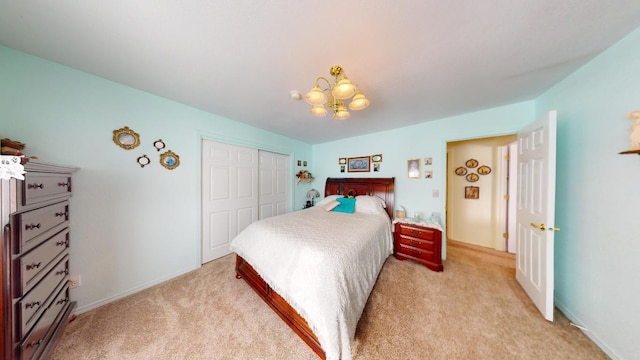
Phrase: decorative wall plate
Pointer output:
(376, 158)
(484, 170)
(126, 138)
(169, 160)
(158, 144)
(473, 177)
(461, 171)
(342, 161)
(143, 160)
(471, 163)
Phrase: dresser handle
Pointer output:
(34, 266)
(60, 214)
(64, 184)
(62, 272)
(31, 304)
(414, 242)
(34, 343)
(35, 186)
(417, 252)
(62, 243)
(62, 301)
(415, 232)
(32, 226)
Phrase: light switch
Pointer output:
(436, 193)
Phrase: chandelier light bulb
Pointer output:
(358, 102)
(344, 89)
(318, 110)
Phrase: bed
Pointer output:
(334, 266)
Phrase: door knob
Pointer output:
(539, 226)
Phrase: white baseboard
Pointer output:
(99, 303)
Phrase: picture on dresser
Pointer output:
(471, 192)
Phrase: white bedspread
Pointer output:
(324, 264)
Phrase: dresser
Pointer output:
(419, 243)
(35, 304)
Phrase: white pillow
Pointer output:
(327, 200)
(369, 204)
(331, 205)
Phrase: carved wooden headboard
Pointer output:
(380, 187)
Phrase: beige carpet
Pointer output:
(473, 310)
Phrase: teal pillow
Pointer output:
(347, 205)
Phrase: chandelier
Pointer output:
(335, 95)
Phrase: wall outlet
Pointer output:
(74, 281)
(436, 193)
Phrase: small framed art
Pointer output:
(471, 192)
(413, 168)
(359, 164)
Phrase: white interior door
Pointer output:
(536, 211)
(274, 184)
(229, 195)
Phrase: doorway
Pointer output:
(481, 192)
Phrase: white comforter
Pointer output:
(324, 264)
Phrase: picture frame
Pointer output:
(471, 192)
(428, 161)
(413, 168)
(428, 174)
(359, 164)
(126, 138)
(342, 161)
(376, 158)
(169, 160)
(376, 167)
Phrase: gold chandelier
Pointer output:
(335, 96)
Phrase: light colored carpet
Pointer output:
(475, 309)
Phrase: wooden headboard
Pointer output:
(380, 187)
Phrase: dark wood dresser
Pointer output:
(35, 303)
(419, 243)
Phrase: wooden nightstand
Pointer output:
(418, 243)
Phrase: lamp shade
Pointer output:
(341, 113)
(318, 110)
(358, 102)
(312, 194)
(343, 89)
(315, 96)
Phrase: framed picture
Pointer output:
(428, 174)
(413, 168)
(359, 164)
(376, 167)
(471, 192)
(342, 161)
(428, 161)
(342, 168)
(376, 158)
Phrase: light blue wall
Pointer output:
(598, 199)
(428, 139)
(131, 227)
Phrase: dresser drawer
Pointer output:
(416, 232)
(31, 224)
(43, 328)
(29, 308)
(36, 263)
(40, 187)
(416, 253)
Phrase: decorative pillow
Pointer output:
(347, 205)
(331, 205)
(369, 204)
(327, 200)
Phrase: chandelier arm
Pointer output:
(325, 79)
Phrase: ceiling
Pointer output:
(416, 60)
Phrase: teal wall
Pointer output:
(597, 198)
(428, 139)
(132, 227)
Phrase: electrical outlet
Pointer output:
(74, 281)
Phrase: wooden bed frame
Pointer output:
(380, 187)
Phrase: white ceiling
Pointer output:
(416, 60)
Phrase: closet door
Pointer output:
(229, 195)
(274, 184)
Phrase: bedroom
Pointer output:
(128, 236)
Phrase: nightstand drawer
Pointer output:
(417, 243)
(417, 232)
(416, 253)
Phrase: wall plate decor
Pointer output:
(169, 160)
(484, 170)
(158, 144)
(413, 168)
(342, 161)
(126, 138)
(143, 160)
(376, 158)
(359, 164)
(461, 171)
(471, 163)
(473, 177)
(471, 192)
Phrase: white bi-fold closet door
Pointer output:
(239, 186)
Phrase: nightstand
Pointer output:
(419, 243)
